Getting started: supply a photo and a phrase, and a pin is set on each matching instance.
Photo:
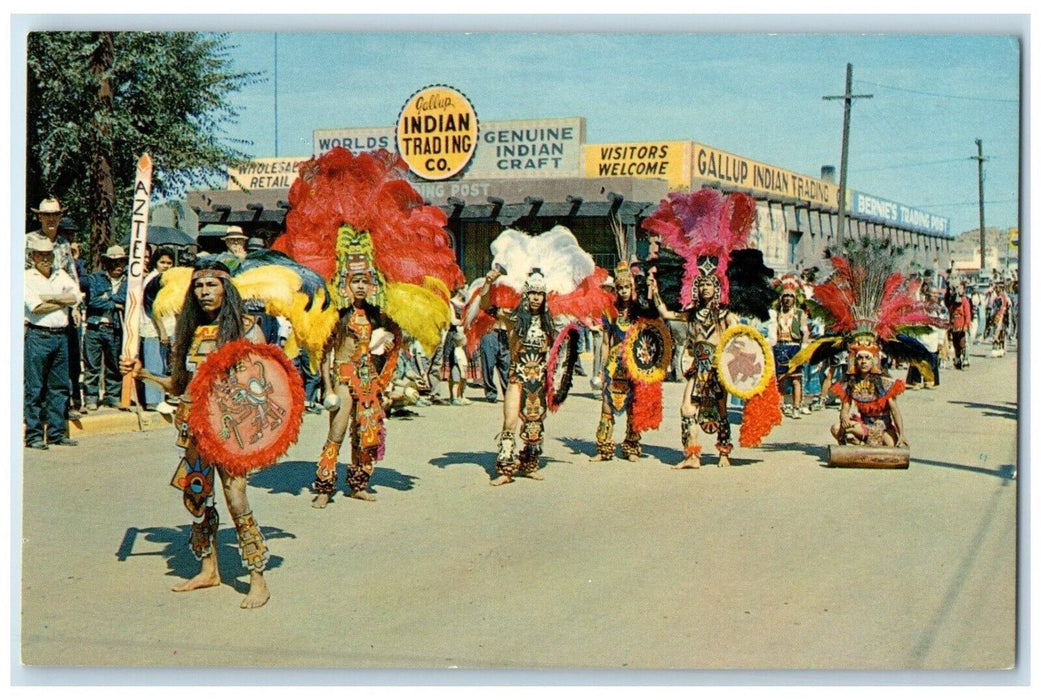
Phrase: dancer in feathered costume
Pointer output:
(636, 352)
(533, 280)
(212, 325)
(788, 334)
(872, 310)
(710, 232)
(358, 222)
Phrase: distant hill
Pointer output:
(969, 242)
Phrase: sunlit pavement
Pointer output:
(778, 562)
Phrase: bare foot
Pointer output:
(501, 479)
(692, 462)
(320, 501)
(633, 458)
(204, 579)
(258, 592)
(724, 461)
(363, 495)
(536, 475)
(601, 458)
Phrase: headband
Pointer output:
(202, 274)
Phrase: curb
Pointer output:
(109, 422)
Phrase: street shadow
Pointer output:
(485, 460)
(665, 455)
(811, 449)
(1007, 410)
(1006, 472)
(578, 446)
(182, 564)
(391, 478)
(290, 477)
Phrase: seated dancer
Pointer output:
(872, 310)
(211, 316)
(710, 231)
(877, 421)
(357, 222)
(527, 305)
(626, 386)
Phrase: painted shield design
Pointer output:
(743, 361)
(247, 406)
(647, 350)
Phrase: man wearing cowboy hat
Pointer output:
(235, 241)
(105, 297)
(49, 215)
(49, 294)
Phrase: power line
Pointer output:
(965, 204)
(940, 94)
(909, 165)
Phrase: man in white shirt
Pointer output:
(49, 294)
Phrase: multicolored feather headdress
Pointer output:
(282, 285)
(348, 211)
(870, 306)
(705, 228)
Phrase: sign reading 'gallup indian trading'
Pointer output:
(437, 132)
(729, 169)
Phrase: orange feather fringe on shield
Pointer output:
(223, 410)
(762, 413)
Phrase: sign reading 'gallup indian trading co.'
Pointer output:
(437, 132)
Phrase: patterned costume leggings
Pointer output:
(358, 473)
(197, 490)
(532, 412)
(605, 446)
(710, 414)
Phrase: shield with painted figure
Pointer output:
(247, 406)
(744, 363)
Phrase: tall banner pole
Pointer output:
(136, 273)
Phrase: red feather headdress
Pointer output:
(347, 208)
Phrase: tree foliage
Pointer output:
(169, 97)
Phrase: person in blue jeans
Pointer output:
(50, 293)
(104, 298)
(495, 357)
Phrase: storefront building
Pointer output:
(535, 174)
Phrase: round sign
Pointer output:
(744, 363)
(437, 132)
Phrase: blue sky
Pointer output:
(756, 94)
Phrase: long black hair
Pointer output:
(229, 322)
(523, 317)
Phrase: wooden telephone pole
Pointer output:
(983, 236)
(847, 98)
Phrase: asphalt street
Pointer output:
(776, 563)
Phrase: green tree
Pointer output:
(98, 100)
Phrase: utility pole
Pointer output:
(847, 98)
(983, 236)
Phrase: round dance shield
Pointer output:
(743, 361)
(247, 406)
(560, 366)
(647, 350)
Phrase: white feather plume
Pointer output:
(556, 252)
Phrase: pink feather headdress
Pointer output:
(704, 227)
